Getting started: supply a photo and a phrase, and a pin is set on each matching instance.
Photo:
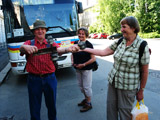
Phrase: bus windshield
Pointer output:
(61, 13)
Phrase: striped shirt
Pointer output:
(40, 64)
(125, 70)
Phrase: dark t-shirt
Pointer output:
(82, 57)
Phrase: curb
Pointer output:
(4, 72)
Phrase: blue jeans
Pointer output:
(38, 85)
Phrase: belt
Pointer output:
(41, 75)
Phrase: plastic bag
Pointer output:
(140, 112)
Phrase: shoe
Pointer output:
(82, 103)
(86, 107)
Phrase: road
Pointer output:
(14, 96)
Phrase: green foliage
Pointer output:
(110, 15)
(148, 14)
(112, 11)
(96, 28)
(150, 35)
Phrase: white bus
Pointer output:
(61, 16)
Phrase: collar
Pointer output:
(135, 42)
(44, 41)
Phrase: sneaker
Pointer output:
(86, 107)
(82, 103)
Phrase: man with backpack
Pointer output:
(129, 74)
(41, 72)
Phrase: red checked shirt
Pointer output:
(40, 64)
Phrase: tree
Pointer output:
(148, 15)
(112, 11)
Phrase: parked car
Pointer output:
(112, 37)
(94, 36)
(90, 35)
(102, 36)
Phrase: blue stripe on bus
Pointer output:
(18, 46)
(67, 39)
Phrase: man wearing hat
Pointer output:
(41, 72)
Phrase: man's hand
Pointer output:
(28, 49)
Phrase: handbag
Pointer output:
(95, 66)
(140, 112)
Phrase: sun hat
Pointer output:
(39, 24)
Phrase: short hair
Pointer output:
(132, 22)
(85, 31)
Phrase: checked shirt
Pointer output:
(125, 70)
(40, 64)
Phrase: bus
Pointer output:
(60, 16)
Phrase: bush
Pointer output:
(150, 35)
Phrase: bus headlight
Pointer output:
(20, 64)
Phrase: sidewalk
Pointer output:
(4, 72)
(4, 64)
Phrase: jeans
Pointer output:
(38, 85)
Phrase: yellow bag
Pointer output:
(140, 112)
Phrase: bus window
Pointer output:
(32, 2)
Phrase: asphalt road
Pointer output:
(14, 96)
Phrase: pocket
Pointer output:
(127, 98)
(130, 59)
(131, 95)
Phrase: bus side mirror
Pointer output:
(80, 7)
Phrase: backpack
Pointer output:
(33, 42)
(141, 48)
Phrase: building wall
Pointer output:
(88, 17)
(2, 31)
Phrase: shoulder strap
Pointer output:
(141, 49)
(48, 45)
(119, 41)
(32, 42)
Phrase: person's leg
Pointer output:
(112, 108)
(35, 96)
(87, 86)
(79, 80)
(80, 84)
(50, 89)
(125, 102)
